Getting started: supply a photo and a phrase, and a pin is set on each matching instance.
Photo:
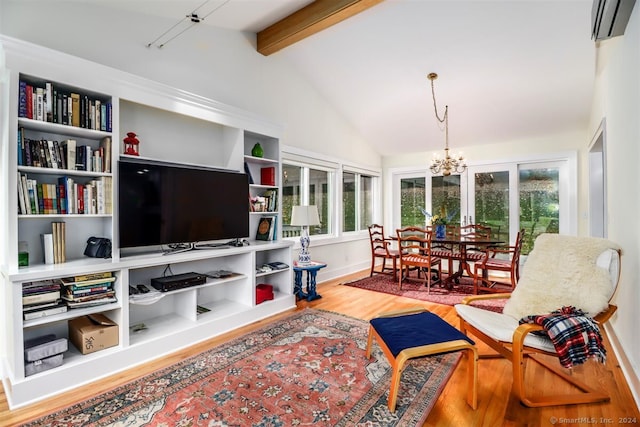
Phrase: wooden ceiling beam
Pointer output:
(307, 21)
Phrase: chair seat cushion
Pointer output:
(415, 330)
(443, 253)
(382, 252)
(475, 256)
(500, 327)
(422, 259)
(498, 263)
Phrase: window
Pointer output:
(357, 201)
(348, 196)
(303, 185)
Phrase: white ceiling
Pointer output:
(508, 70)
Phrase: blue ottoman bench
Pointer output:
(407, 334)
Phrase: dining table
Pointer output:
(464, 243)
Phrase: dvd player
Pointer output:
(178, 281)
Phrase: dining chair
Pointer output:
(476, 231)
(415, 244)
(561, 271)
(381, 248)
(503, 260)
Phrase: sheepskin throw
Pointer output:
(561, 271)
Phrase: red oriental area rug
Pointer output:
(308, 369)
(416, 290)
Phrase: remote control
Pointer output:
(142, 289)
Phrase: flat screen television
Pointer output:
(172, 204)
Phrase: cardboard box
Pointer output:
(93, 332)
(264, 292)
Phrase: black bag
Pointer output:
(98, 247)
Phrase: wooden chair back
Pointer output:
(415, 245)
(381, 248)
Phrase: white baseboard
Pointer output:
(625, 364)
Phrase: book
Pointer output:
(201, 309)
(248, 172)
(87, 277)
(265, 230)
(22, 99)
(40, 306)
(75, 109)
(39, 110)
(105, 144)
(70, 281)
(22, 207)
(48, 311)
(40, 297)
(85, 290)
(91, 303)
(47, 248)
(69, 147)
(48, 101)
(88, 296)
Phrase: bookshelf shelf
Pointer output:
(217, 136)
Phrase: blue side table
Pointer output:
(312, 271)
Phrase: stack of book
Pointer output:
(89, 290)
(54, 244)
(42, 298)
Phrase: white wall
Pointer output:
(617, 99)
(219, 64)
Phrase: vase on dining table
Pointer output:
(441, 231)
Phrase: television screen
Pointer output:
(165, 204)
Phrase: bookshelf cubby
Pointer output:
(172, 126)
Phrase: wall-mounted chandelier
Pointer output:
(448, 164)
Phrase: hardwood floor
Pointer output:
(496, 404)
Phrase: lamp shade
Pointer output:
(305, 215)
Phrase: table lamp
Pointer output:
(304, 216)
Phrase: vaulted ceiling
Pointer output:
(508, 69)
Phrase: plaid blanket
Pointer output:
(575, 336)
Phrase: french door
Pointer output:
(536, 196)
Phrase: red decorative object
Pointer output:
(268, 176)
(264, 292)
(131, 144)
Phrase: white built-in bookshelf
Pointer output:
(172, 125)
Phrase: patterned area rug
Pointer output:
(416, 290)
(307, 369)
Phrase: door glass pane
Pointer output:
(291, 178)
(412, 201)
(445, 197)
(492, 202)
(349, 201)
(366, 201)
(539, 203)
(318, 195)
